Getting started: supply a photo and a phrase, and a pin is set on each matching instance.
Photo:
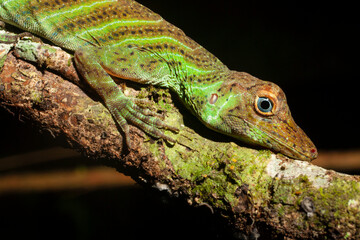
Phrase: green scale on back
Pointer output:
(124, 39)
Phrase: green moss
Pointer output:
(281, 210)
(4, 49)
(27, 49)
(36, 97)
(219, 169)
(102, 114)
(333, 201)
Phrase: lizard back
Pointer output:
(77, 23)
(72, 24)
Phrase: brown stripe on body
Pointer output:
(121, 10)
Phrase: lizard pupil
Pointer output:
(264, 104)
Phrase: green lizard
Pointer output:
(124, 39)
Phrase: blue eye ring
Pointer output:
(264, 106)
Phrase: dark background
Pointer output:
(310, 49)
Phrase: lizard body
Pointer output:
(124, 39)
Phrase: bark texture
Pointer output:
(259, 194)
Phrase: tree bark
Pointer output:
(257, 192)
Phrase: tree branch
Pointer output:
(255, 191)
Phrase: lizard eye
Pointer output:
(264, 106)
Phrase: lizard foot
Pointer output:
(127, 111)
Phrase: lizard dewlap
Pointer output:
(122, 38)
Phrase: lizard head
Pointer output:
(257, 112)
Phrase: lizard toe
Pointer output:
(150, 124)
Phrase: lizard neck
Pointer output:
(200, 92)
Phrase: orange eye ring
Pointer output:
(265, 103)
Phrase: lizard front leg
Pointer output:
(124, 109)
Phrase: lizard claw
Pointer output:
(127, 111)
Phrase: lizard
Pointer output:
(124, 39)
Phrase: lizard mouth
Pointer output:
(289, 139)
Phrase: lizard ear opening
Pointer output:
(214, 97)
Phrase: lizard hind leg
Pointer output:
(127, 111)
(123, 109)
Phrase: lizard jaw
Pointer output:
(296, 145)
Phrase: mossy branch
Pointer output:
(255, 191)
